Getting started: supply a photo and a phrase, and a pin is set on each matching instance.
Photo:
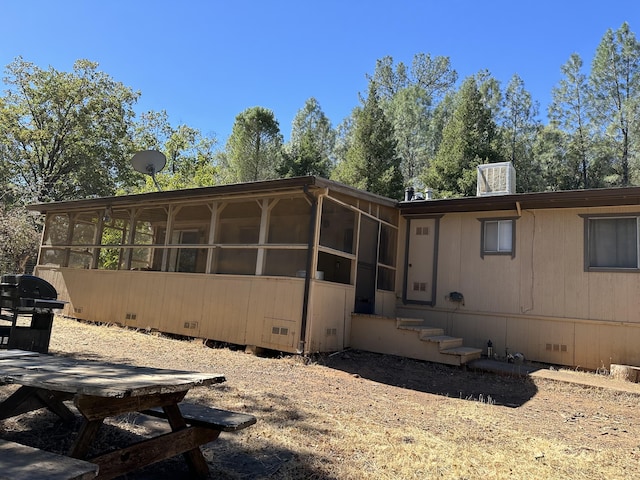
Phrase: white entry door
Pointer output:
(420, 273)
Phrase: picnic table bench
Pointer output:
(208, 417)
(20, 462)
(100, 390)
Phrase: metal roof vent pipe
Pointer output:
(408, 194)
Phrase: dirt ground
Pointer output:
(356, 415)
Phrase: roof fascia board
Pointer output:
(215, 192)
(527, 201)
(191, 194)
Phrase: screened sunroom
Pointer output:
(279, 264)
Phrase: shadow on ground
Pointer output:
(226, 457)
(504, 389)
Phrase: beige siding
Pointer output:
(450, 258)
(385, 303)
(182, 305)
(242, 310)
(222, 319)
(331, 308)
(546, 278)
(379, 334)
(274, 303)
(542, 302)
(575, 280)
(599, 345)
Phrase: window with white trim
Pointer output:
(611, 243)
(498, 236)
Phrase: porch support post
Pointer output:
(309, 272)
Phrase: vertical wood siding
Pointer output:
(542, 302)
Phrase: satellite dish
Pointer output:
(149, 162)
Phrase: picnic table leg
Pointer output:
(194, 458)
(87, 433)
(27, 399)
(53, 401)
(18, 402)
(182, 438)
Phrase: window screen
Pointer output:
(613, 242)
(497, 236)
(337, 227)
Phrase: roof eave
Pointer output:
(247, 188)
(530, 201)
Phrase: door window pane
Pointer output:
(386, 279)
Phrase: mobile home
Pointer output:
(309, 265)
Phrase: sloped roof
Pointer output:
(539, 200)
(238, 189)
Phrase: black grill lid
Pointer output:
(28, 286)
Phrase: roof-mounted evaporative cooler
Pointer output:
(496, 179)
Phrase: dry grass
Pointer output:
(358, 415)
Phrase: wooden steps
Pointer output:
(417, 324)
(469, 353)
(409, 323)
(410, 338)
(445, 341)
(426, 333)
(450, 350)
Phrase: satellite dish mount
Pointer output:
(149, 162)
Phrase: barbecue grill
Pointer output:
(26, 312)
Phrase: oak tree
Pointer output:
(190, 154)
(65, 134)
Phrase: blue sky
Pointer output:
(206, 61)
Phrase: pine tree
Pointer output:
(468, 140)
(371, 162)
(310, 148)
(519, 128)
(254, 146)
(615, 79)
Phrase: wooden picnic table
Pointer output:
(100, 390)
